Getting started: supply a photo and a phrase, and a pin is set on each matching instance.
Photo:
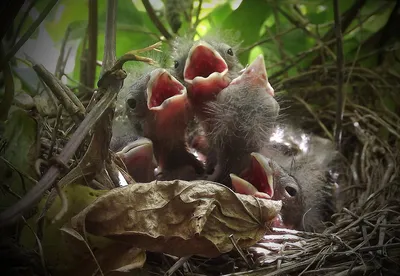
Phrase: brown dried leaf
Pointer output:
(178, 217)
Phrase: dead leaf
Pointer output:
(178, 217)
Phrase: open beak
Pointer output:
(257, 180)
(137, 152)
(205, 70)
(139, 159)
(164, 91)
(256, 74)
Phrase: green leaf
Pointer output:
(28, 77)
(126, 13)
(21, 151)
(297, 41)
(67, 11)
(248, 19)
(61, 251)
(219, 14)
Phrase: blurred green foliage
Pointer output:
(288, 27)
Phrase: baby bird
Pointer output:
(264, 178)
(158, 109)
(240, 120)
(137, 155)
(297, 174)
(205, 67)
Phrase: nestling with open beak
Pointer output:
(300, 181)
(240, 120)
(158, 109)
(205, 67)
(137, 155)
(264, 178)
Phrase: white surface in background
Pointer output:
(43, 50)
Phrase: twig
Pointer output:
(265, 40)
(24, 17)
(348, 17)
(54, 133)
(28, 33)
(340, 68)
(240, 251)
(92, 38)
(303, 27)
(39, 246)
(14, 212)
(8, 96)
(59, 72)
(156, 20)
(64, 62)
(64, 203)
(177, 265)
(88, 89)
(67, 98)
(196, 23)
(327, 132)
(8, 12)
(110, 35)
(23, 174)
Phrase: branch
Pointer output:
(28, 33)
(340, 68)
(8, 97)
(196, 23)
(92, 37)
(13, 213)
(61, 60)
(8, 12)
(348, 17)
(156, 20)
(98, 119)
(66, 97)
(109, 42)
(304, 29)
(22, 21)
(265, 40)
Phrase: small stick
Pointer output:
(241, 253)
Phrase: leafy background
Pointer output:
(297, 39)
(254, 20)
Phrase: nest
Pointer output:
(363, 236)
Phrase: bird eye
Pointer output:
(230, 52)
(291, 191)
(131, 103)
(176, 64)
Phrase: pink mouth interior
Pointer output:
(164, 87)
(257, 176)
(203, 62)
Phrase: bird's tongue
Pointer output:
(205, 72)
(163, 89)
(255, 74)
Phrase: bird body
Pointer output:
(240, 120)
(205, 67)
(158, 109)
(137, 155)
(296, 175)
